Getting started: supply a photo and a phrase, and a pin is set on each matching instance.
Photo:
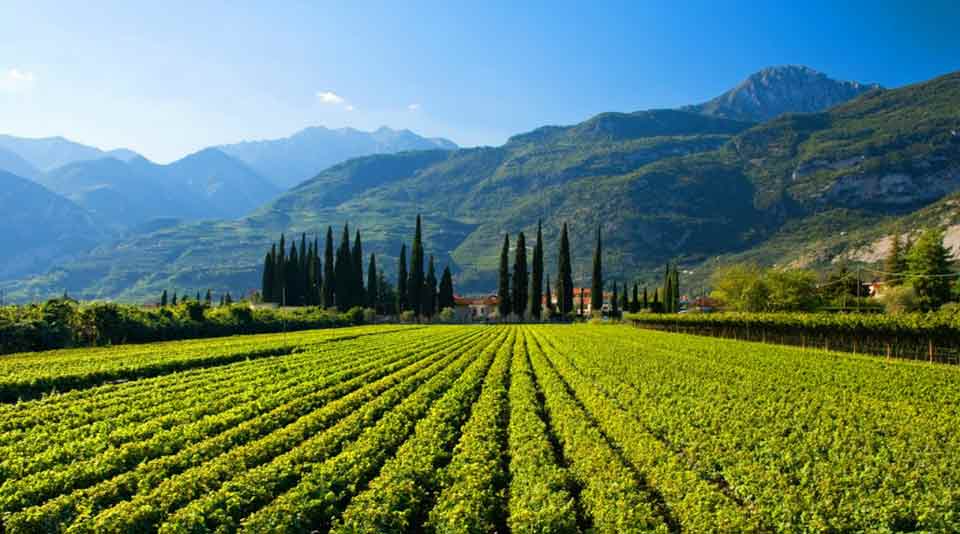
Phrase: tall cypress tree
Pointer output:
(646, 302)
(548, 297)
(596, 289)
(614, 302)
(343, 273)
(520, 285)
(372, 292)
(624, 300)
(208, 298)
(667, 290)
(403, 302)
(317, 274)
(445, 292)
(429, 301)
(280, 270)
(302, 281)
(635, 304)
(266, 289)
(582, 310)
(359, 296)
(163, 299)
(415, 285)
(329, 272)
(564, 274)
(536, 280)
(676, 289)
(174, 301)
(503, 288)
(292, 276)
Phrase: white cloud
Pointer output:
(329, 97)
(16, 80)
(349, 107)
(413, 107)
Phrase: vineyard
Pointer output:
(476, 429)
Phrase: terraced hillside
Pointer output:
(476, 429)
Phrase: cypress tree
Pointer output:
(676, 289)
(503, 288)
(279, 271)
(403, 304)
(596, 290)
(198, 296)
(292, 276)
(267, 286)
(208, 298)
(163, 299)
(646, 303)
(329, 279)
(615, 302)
(372, 293)
(303, 283)
(221, 301)
(343, 273)
(582, 310)
(564, 274)
(624, 300)
(635, 304)
(429, 301)
(317, 274)
(895, 263)
(548, 296)
(415, 285)
(359, 297)
(227, 299)
(667, 290)
(520, 297)
(445, 293)
(174, 301)
(536, 280)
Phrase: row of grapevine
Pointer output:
(698, 505)
(29, 376)
(926, 336)
(322, 494)
(399, 498)
(472, 495)
(808, 444)
(614, 498)
(267, 430)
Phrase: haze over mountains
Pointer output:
(702, 185)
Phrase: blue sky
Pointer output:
(168, 78)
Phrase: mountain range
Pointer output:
(122, 192)
(702, 185)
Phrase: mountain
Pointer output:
(12, 163)
(291, 160)
(51, 152)
(663, 185)
(39, 226)
(777, 90)
(122, 194)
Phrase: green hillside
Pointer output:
(664, 185)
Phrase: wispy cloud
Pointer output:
(16, 80)
(414, 107)
(329, 97)
(349, 107)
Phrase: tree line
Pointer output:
(302, 277)
(522, 293)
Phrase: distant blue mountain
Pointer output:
(292, 160)
(48, 153)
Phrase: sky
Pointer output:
(169, 78)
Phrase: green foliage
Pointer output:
(929, 267)
(746, 287)
(65, 323)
